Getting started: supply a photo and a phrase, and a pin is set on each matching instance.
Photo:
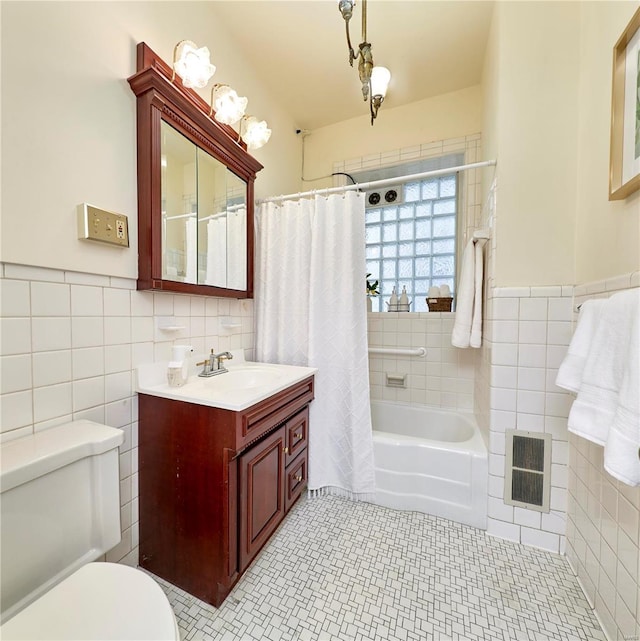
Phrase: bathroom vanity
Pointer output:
(218, 472)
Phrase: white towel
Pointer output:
(572, 367)
(476, 323)
(594, 409)
(622, 449)
(467, 328)
(217, 252)
(191, 250)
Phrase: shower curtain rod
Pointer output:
(380, 183)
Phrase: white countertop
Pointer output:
(245, 384)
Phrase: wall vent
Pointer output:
(384, 197)
(527, 479)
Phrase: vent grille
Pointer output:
(527, 477)
(384, 197)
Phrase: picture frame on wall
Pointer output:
(624, 166)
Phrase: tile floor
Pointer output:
(355, 571)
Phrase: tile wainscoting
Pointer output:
(70, 345)
(603, 518)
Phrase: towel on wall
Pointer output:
(622, 449)
(467, 328)
(572, 367)
(603, 366)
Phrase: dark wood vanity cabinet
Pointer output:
(215, 484)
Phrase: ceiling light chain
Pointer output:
(375, 80)
(195, 70)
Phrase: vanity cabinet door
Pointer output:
(262, 493)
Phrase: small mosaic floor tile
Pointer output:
(343, 571)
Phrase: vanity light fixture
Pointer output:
(228, 106)
(194, 67)
(375, 80)
(256, 133)
(192, 64)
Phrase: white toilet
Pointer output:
(60, 510)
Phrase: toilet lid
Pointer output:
(97, 602)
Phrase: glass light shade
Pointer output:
(193, 65)
(380, 77)
(229, 107)
(256, 134)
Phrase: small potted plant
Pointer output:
(372, 290)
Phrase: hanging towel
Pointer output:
(191, 250)
(217, 252)
(467, 328)
(572, 367)
(622, 449)
(594, 409)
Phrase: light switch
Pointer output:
(103, 226)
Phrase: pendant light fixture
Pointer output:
(375, 80)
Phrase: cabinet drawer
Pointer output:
(297, 429)
(296, 479)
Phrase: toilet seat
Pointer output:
(99, 601)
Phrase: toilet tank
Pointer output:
(59, 507)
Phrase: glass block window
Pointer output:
(412, 243)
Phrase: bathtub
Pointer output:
(430, 460)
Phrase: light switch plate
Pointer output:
(103, 226)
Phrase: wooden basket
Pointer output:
(440, 304)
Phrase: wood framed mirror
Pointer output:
(195, 190)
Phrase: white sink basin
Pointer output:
(246, 377)
(245, 384)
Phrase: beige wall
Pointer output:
(68, 120)
(451, 115)
(532, 111)
(607, 233)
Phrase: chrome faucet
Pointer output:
(213, 365)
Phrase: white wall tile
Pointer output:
(533, 309)
(79, 278)
(88, 392)
(531, 355)
(29, 272)
(15, 373)
(117, 302)
(87, 331)
(505, 309)
(16, 410)
(15, 298)
(531, 378)
(141, 303)
(532, 331)
(117, 386)
(51, 402)
(117, 330)
(50, 368)
(15, 336)
(540, 539)
(560, 309)
(50, 299)
(86, 301)
(117, 358)
(50, 334)
(87, 362)
(502, 530)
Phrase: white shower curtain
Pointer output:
(311, 310)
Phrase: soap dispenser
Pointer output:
(393, 301)
(178, 369)
(403, 304)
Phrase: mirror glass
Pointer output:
(204, 215)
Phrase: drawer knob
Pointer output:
(298, 478)
(285, 450)
(297, 436)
